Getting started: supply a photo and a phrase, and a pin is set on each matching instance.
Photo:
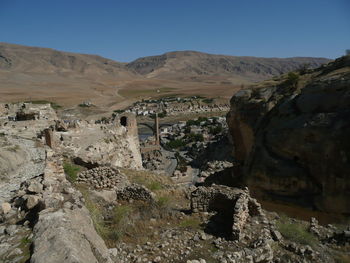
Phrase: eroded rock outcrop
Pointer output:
(63, 230)
(293, 140)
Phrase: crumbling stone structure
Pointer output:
(103, 178)
(128, 120)
(135, 192)
(233, 202)
(93, 144)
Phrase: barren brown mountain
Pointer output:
(192, 64)
(31, 73)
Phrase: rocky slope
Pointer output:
(192, 64)
(24, 59)
(105, 212)
(291, 136)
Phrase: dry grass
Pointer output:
(191, 223)
(342, 258)
(147, 178)
(153, 92)
(137, 222)
(295, 231)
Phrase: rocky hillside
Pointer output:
(291, 136)
(18, 58)
(32, 73)
(189, 64)
(69, 192)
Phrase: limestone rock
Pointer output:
(293, 142)
(5, 208)
(69, 235)
(35, 187)
(32, 201)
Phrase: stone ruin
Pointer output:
(236, 204)
(103, 178)
(135, 192)
(27, 111)
(92, 144)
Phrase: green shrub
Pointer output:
(295, 232)
(192, 137)
(178, 143)
(119, 223)
(192, 122)
(154, 186)
(216, 130)
(162, 114)
(71, 170)
(25, 241)
(292, 80)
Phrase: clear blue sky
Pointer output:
(127, 29)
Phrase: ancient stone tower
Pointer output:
(156, 129)
(128, 120)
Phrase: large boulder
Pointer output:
(293, 141)
(68, 236)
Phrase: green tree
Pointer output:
(292, 80)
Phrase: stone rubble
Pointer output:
(103, 178)
(135, 192)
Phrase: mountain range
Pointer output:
(43, 73)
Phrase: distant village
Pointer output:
(170, 106)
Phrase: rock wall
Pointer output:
(63, 230)
(293, 141)
(20, 159)
(98, 144)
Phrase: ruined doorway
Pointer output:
(124, 121)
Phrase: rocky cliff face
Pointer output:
(291, 137)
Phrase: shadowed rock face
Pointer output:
(293, 143)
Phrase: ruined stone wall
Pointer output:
(234, 202)
(103, 178)
(102, 144)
